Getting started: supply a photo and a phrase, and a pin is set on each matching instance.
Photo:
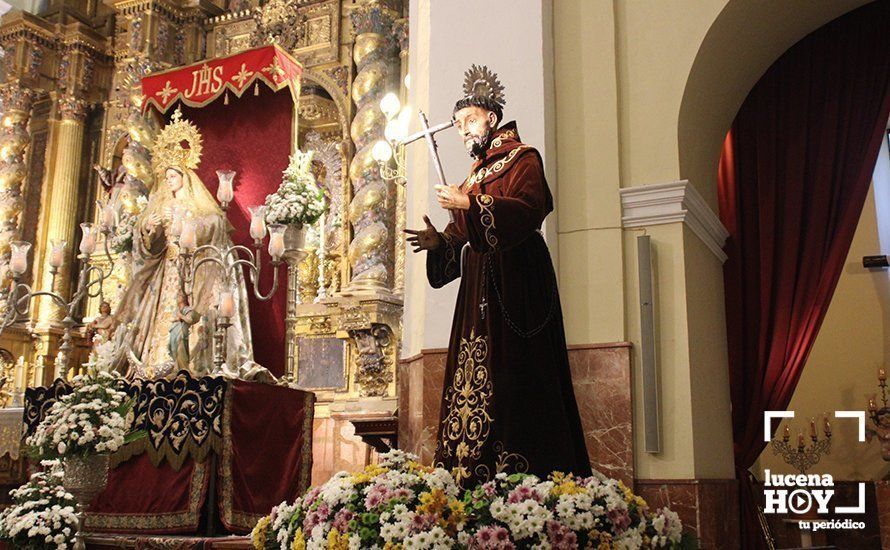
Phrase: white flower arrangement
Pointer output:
(95, 418)
(298, 199)
(399, 503)
(43, 513)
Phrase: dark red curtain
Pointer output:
(251, 135)
(794, 175)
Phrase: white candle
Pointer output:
(226, 304)
(19, 376)
(176, 223)
(258, 223)
(107, 218)
(18, 258)
(276, 241)
(88, 242)
(224, 192)
(57, 253)
(188, 240)
(321, 234)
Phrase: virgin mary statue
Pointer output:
(157, 304)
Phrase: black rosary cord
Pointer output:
(510, 323)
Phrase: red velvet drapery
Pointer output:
(795, 171)
(251, 135)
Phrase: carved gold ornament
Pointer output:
(168, 150)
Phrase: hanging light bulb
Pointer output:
(392, 131)
(390, 105)
(407, 81)
(382, 151)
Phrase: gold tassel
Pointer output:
(226, 98)
(256, 88)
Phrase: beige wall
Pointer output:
(841, 372)
(645, 92)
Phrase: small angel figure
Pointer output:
(178, 345)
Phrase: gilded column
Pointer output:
(400, 31)
(370, 212)
(16, 101)
(60, 220)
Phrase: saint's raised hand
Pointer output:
(424, 239)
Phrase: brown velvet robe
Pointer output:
(508, 402)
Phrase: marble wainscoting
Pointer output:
(601, 376)
(421, 378)
(335, 447)
(708, 508)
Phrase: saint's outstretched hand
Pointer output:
(424, 239)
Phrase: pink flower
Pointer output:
(342, 519)
(561, 537)
(620, 519)
(492, 537)
(521, 494)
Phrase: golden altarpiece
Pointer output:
(71, 119)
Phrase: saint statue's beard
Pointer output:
(480, 145)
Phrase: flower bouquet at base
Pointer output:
(95, 418)
(298, 200)
(395, 503)
(564, 512)
(401, 504)
(42, 514)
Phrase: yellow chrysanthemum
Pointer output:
(433, 502)
(599, 540)
(336, 541)
(564, 484)
(299, 541)
(258, 535)
(370, 472)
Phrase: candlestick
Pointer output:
(826, 424)
(88, 241)
(813, 427)
(882, 375)
(18, 260)
(258, 223)
(787, 434)
(107, 217)
(226, 304)
(188, 239)
(276, 240)
(871, 404)
(800, 438)
(57, 253)
(225, 193)
(176, 222)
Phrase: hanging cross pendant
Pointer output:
(482, 306)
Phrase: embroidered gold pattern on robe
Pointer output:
(496, 167)
(487, 218)
(468, 422)
(450, 256)
(498, 141)
(510, 463)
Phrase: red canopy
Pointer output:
(199, 84)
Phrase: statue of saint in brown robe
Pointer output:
(508, 402)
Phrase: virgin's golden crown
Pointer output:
(168, 151)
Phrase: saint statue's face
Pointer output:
(475, 125)
(173, 179)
